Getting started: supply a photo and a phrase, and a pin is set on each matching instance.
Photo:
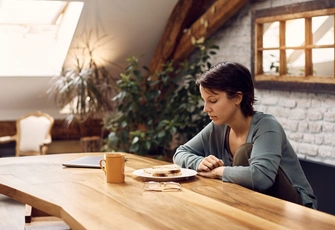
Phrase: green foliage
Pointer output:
(84, 89)
(152, 108)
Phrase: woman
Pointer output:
(241, 145)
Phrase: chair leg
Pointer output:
(27, 216)
(37, 219)
(33, 212)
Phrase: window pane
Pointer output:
(271, 62)
(30, 12)
(323, 62)
(323, 30)
(295, 62)
(35, 35)
(271, 35)
(295, 32)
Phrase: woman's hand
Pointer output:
(215, 173)
(209, 163)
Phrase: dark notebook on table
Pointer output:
(84, 162)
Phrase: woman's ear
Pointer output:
(238, 98)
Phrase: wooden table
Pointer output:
(82, 198)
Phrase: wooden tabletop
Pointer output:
(82, 198)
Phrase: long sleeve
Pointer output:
(271, 150)
(267, 139)
(207, 142)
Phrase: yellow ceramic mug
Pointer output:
(113, 166)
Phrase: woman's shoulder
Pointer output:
(267, 121)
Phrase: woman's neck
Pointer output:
(241, 126)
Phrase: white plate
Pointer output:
(186, 173)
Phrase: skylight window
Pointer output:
(36, 35)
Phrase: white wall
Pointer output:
(135, 27)
(308, 118)
(21, 95)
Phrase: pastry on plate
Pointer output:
(169, 170)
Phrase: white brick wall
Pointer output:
(308, 118)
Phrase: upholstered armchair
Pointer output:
(33, 134)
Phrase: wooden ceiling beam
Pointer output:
(183, 15)
(206, 25)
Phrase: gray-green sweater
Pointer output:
(271, 149)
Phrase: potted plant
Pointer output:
(83, 90)
(154, 108)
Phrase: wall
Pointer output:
(22, 95)
(308, 118)
(135, 27)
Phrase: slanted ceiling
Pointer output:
(189, 19)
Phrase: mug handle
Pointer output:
(102, 166)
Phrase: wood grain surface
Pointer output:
(83, 199)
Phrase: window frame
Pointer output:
(282, 82)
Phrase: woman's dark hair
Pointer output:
(231, 77)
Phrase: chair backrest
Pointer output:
(33, 130)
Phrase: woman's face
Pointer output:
(219, 108)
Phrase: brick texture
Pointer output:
(308, 118)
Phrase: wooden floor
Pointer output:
(68, 146)
(46, 223)
(11, 214)
(12, 218)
